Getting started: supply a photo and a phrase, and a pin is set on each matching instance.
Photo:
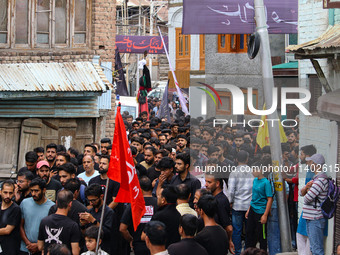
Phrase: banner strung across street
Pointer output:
(237, 16)
(140, 44)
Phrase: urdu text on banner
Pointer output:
(237, 16)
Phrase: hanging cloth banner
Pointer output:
(140, 44)
(237, 16)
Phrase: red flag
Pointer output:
(122, 170)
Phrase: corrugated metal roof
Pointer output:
(68, 76)
(330, 38)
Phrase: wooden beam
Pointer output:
(321, 76)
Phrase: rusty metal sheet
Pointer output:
(66, 77)
(329, 39)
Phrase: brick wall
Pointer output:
(103, 44)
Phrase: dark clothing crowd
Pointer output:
(206, 191)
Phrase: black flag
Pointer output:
(119, 76)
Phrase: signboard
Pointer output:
(237, 16)
(328, 4)
(140, 44)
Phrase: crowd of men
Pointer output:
(56, 202)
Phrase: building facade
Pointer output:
(56, 59)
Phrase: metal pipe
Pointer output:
(274, 133)
(102, 214)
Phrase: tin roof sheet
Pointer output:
(329, 39)
(68, 76)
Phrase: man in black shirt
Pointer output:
(126, 225)
(168, 214)
(153, 172)
(101, 180)
(187, 229)
(184, 176)
(94, 196)
(10, 217)
(138, 143)
(215, 186)
(212, 237)
(58, 228)
(23, 186)
(52, 185)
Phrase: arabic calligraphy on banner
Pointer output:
(139, 44)
(237, 16)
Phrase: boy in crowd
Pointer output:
(91, 235)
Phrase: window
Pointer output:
(202, 52)
(44, 23)
(182, 50)
(226, 98)
(315, 88)
(4, 9)
(232, 43)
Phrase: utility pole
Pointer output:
(151, 33)
(274, 133)
(139, 33)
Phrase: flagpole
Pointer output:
(180, 95)
(102, 215)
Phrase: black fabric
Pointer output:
(10, 244)
(151, 207)
(169, 215)
(254, 232)
(119, 76)
(140, 157)
(141, 170)
(192, 182)
(113, 187)
(22, 197)
(214, 239)
(110, 228)
(52, 189)
(152, 173)
(187, 246)
(73, 214)
(223, 210)
(57, 228)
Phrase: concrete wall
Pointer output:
(230, 68)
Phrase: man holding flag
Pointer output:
(122, 170)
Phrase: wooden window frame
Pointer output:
(180, 35)
(183, 61)
(228, 94)
(88, 25)
(202, 52)
(7, 44)
(32, 27)
(227, 46)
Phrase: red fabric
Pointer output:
(295, 180)
(122, 170)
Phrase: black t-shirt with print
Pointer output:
(52, 189)
(151, 207)
(59, 229)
